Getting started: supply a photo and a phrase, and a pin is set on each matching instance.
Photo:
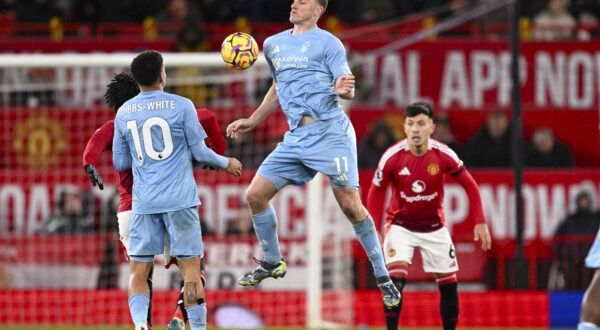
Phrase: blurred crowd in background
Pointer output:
(566, 19)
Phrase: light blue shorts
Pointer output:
(147, 232)
(326, 146)
(593, 258)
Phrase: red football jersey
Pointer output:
(417, 184)
(102, 139)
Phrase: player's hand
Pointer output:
(234, 167)
(94, 176)
(483, 234)
(240, 126)
(344, 84)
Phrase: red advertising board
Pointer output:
(473, 74)
(548, 198)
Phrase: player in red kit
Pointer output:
(122, 88)
(415, 167)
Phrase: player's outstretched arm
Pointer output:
(268, 105)
(344, 86)
(481, 231)
(204, 155)
(375, 205)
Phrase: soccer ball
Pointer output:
(239, 50)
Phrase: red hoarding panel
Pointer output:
(276, 308)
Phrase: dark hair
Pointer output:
(418, 108)
(121, 88)
(146, 67)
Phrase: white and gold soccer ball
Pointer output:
(239, 50)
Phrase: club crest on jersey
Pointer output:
(391, 252)
(433, 169)
(305, 46)
(418, 186)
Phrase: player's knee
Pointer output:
(256, 201)
(353, 211)
(350, 204)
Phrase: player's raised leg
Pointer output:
(258, 195)
(365, 231)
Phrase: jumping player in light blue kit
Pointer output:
(157, 134)
(310, 75)
(590, 306)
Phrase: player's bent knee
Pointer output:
(256, 200)
(353, 209)
(350, 204)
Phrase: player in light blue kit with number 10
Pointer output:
(156, 135)
(310, 75)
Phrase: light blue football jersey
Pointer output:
(156, 129)
(593, 258)
(305, 67)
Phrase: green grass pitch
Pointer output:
(212, 328)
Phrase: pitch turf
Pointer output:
(213, 328)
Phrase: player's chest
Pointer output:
(296, 54)
(418, 175)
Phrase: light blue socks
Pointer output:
(587, 326)
(197, 316)
(265, 226)
(138, 307)
(366, 234)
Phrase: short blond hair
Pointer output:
(323, 3)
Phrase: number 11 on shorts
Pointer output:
(337, 163)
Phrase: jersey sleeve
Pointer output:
(451, 163)
(475, 205)
(335, 58)
(376, 195)
(121, 155)
(193, 130)
(215, 139)
(100, 141)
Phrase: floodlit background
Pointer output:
(61, 263)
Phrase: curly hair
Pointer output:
(121, 88)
